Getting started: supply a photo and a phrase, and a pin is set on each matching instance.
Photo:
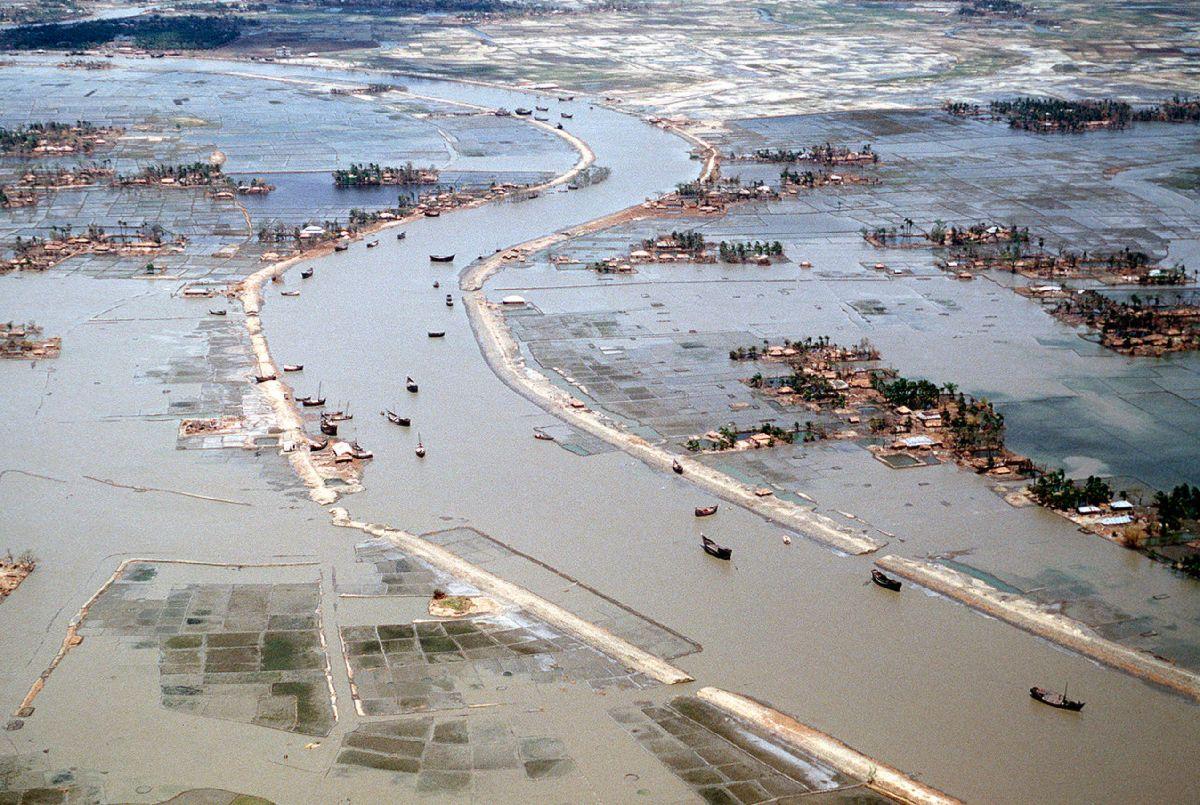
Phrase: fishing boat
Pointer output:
(706, 511)
(289, 293)
(420, 451)
(263, 378)
(713, 549)
(437, 284)
(558, 126)
(545, 437)
(542, 108)
(293, 367)
(566, 115)
(432, 214)
(1053, 699)
(360, 452)
(314, 446)
(541, 118)
(312, 401)
(441, 258)
(328, 428)
(396, 419)
(306, 273)
(677, 467)
(523, 112)
(217, 312)
(338, 416)
(437, 333)
(885, 581)
(401, 235)
(341, 246)
(449, 300)
(410, 385)
(372, 244)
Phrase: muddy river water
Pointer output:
(915, 680)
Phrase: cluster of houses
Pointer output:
(17, 342)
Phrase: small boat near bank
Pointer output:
(410, 385)
(328, 428)
(441, 258)
(885, 581)
(545, 437)
(677, 467)
(1053, 699)
(372, 244)
(437, 333)
(396, 419)
(216, 312)
(312, 401)
(449, 300)
(706, 511)
(293, 367)
(713, 549)
(401, 235)
(307, 273)
(289, 293)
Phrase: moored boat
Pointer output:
(410, 385)
(1053, 699)
(523, 112)
(545, 437)
(566, 115)
(420, 451)
(306, 273)
(263, 378)
(713, 549)
(372, 244)
(293, 367)
(885, 581)
(289, 293)
(341, 246)
(401, 235)
(314, 400)
(541, 108)
(706, 511)
(396, 419)
(216, 312)
(437, 333)
(437, 284)
(328, 428)
(360, 452)
(315, 446)
(677, 467)
(441, 258)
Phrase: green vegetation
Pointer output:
(1052, 114)
(824, 154)
(25, 138)
(1057, 491)
(151, 31)
(373, 175)
(1177, 506)
(918, 395)
(740, 252)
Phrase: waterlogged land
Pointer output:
(212, 610)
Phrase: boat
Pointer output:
(541, 118)
(706, 511)
(502, 112)
(328, 428)
(437, 333)
(410, 385)
(420, 451)
(677, 467)
(293, 367)
(401, 235)
(545, 437)
(441, 258)
(289, 293)
(432, 214)
(542, 108)
(449, 300)
(713, 549)
(341, 246)
(885, 581)
(263, 378)
(372, 244)
(314, 446)
(306, 273)
(566, 115)
(1053, 699)
(338, 416)
(359, 452)
(216, 312)
(437, 284)
(558, 126)
(396, 419)
(523, 112)
(312, 401)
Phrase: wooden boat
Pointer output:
(541, 118)
(566, 115)
(217, 312)
(293, 367)
(314, 446)
(263, 378)
(437, 333)
(401, 235)
(885, 581)
(306, 273)
(545, 437)
(312, 401)
(677, 467)
(441, 258)
(410, 385)
(706, 511)
(449, 300)
(523, 112)
(559, 127)
(360, 452)
(541, 108)
(432, 214)
(437, 284)
(372, 244)
(338, 416)
(1058, 700)
(289, 293)
(713, 549)
(396, 419)
(341, 246)
(420, 451)
(328, 428)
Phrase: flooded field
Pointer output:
(301, 663)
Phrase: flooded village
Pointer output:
(662, 439)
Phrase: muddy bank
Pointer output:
(600, 639)
(882, 778)
(1041, 621)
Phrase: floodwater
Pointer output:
(919, 682)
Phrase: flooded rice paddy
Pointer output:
(911, 679)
